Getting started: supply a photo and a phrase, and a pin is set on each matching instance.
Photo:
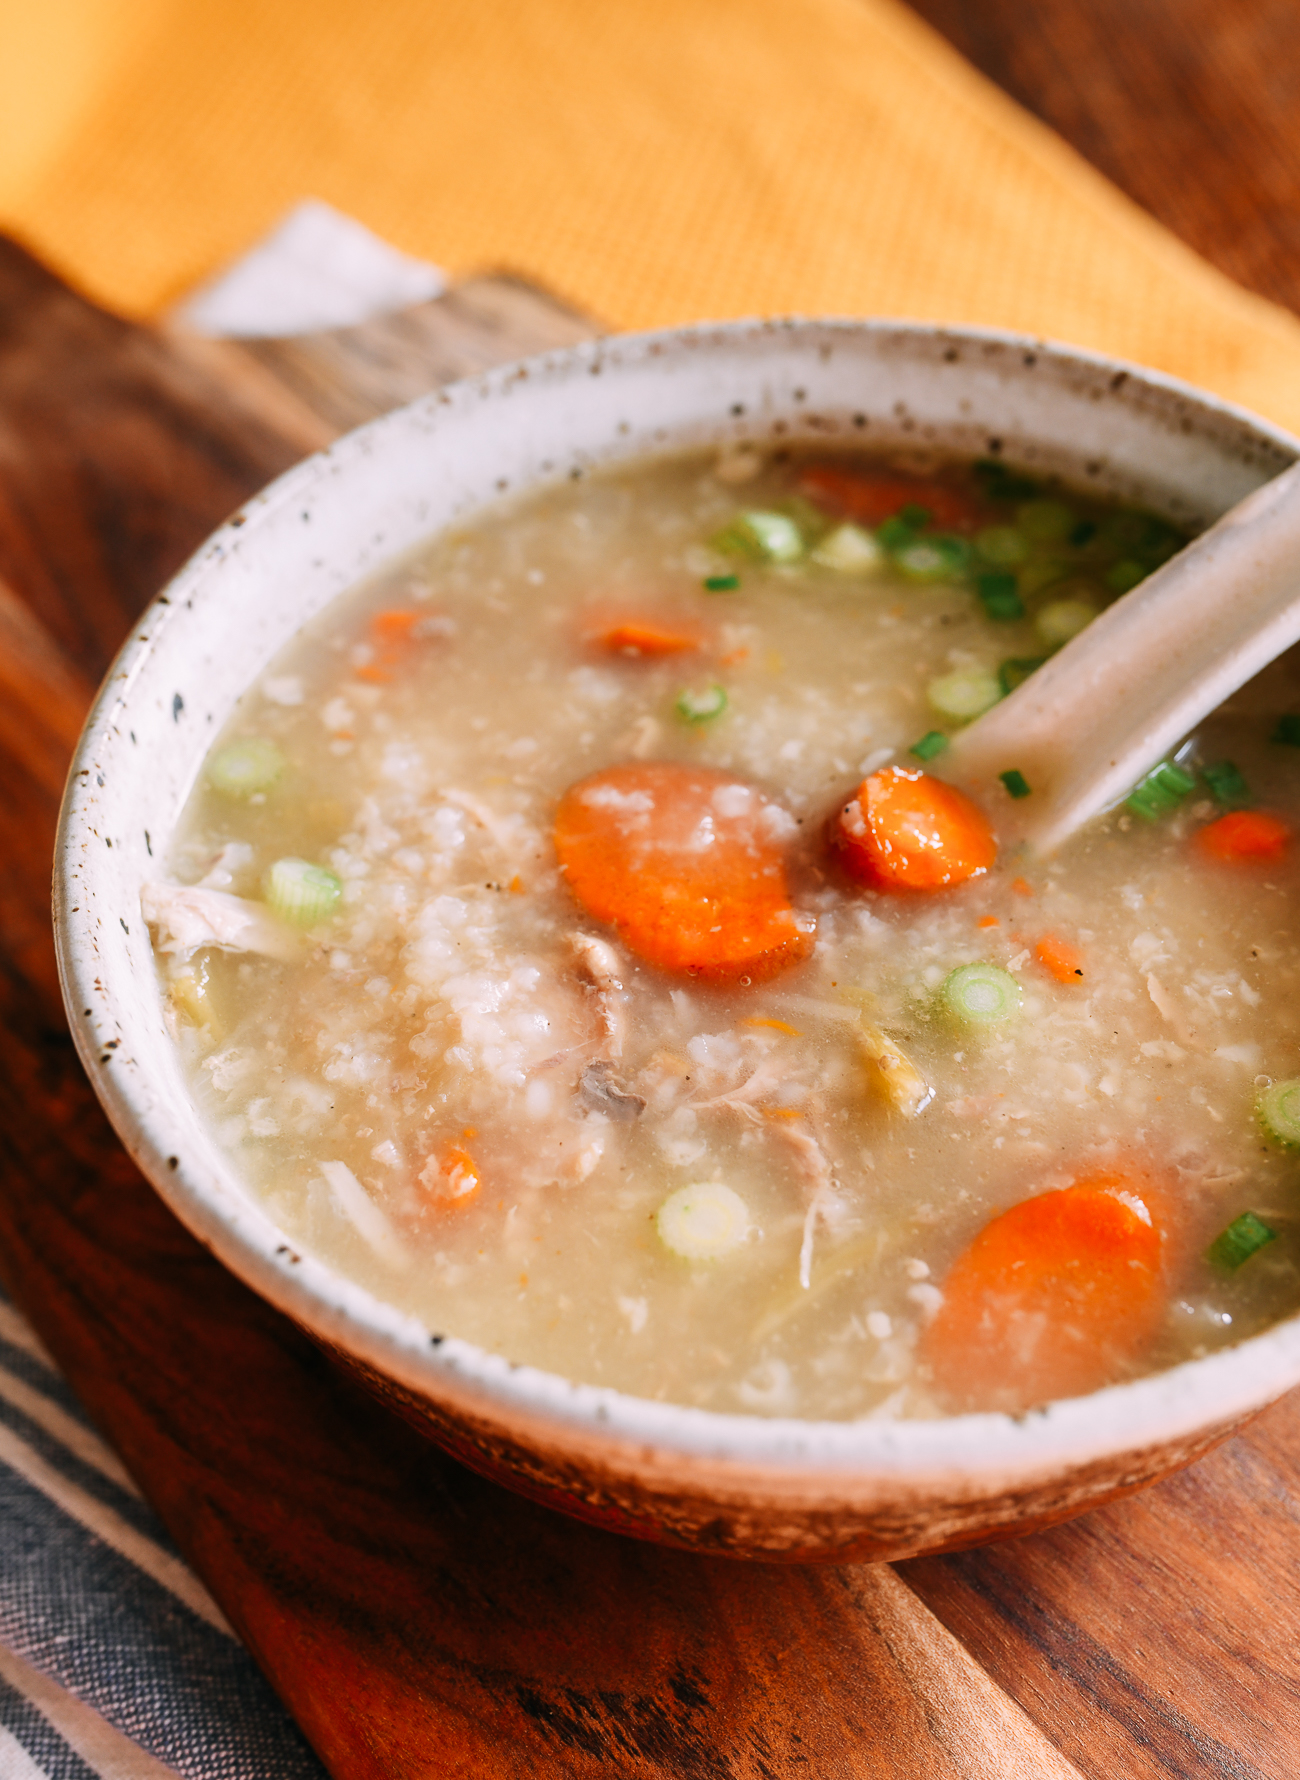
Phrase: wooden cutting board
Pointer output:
(415, 1619)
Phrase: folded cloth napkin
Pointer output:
(652, 161)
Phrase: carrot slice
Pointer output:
(638, 636)
(905, 830)
(688, 864)
(1054, 1298)
(870, 497)
(1243, 835)
(1060, 958)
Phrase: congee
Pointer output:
(573, 938)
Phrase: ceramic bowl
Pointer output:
(744, 1485)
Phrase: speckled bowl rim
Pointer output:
(979, 1451)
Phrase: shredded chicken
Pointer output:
(188, 917)
(599, 966)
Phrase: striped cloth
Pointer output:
(115, 1662)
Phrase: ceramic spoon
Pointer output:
(1086, 726)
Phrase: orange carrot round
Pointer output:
(905, 830)
(870, 496)
(688, 864)
(1054, 1298)
(1243, 835)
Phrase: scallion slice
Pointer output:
(915, 515)
(849, 550)
(721, 583)
(1227, 783)
(1163, 789)
(1002, 545)
(999, 597)
(1244, 1237)
(934, 559)
(980, 995)
(1016, 783)
(243, 767)
(1288, 730)
(964, 694)
(1278, 1108)
(701, 707)
(302, 893)
(933, 742)
(1060, 620)
(895, 533)
(763, 536)
(1017, 670)
(703, 1222)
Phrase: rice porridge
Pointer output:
(573, 938)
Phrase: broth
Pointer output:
(738, 1167)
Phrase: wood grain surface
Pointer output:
(1192, 107)
(416, 1619)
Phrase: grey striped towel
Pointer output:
(115, 1662)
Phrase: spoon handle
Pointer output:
(1091, 721)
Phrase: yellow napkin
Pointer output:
(651, 160)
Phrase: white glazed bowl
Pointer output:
(728, 1483)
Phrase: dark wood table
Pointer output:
(417, 1620)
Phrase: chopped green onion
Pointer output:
(934, 559)
(243, 767)
(917, 517)
(302, 893)
(1002, 545)
(1046, 521)
(721, 583)
(1139, 535)
(1278, 1108)
(703, 1222)
(762, 536)
(1123, 575)
(1061, 620)
(700, 707)
(1163, 789)
(850, 551)
(999, 597)
(1244, 1237)
(895, 534)
(1229, 787)
(1016, 783)
(1017, 670)
(964, 694)
(980, 995)
(1083, 533)
(1288, 730)
(933, 742)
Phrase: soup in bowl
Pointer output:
(549, 961)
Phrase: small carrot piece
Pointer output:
(393, 632)
(644, 637)
(871, 497)
(988, 921)
(453, 1177)
(1022, 887)
(905, 830)
(688, 865)
(1054, 1298)
(1059, 958)
(1243, 835)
